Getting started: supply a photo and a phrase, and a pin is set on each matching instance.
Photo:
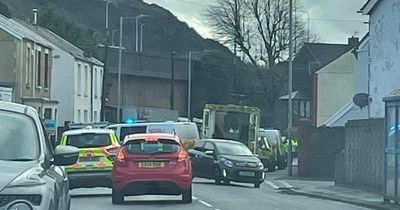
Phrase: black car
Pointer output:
(30, 170)
(226, 160)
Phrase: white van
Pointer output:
(186, 131)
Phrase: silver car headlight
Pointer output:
(260, 165)
(228, 163)
(31, 177)
(20, 206)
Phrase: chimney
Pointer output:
(35, 17)
(353, 41)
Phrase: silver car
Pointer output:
(31, 172)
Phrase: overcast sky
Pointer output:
(333, 20)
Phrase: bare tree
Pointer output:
(259, 28)
(231, 24)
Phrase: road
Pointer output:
(208, 196)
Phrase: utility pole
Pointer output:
(121, 25)
(103, 83)
(290, 105)
(172, 91)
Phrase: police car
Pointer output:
(98, 148)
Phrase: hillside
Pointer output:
(163, 32)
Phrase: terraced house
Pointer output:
(26, 68)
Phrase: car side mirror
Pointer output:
(65, 155)
(209, 152)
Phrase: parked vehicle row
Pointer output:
(150, 160)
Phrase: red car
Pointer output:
(152, 164)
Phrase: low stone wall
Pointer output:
(362, 164)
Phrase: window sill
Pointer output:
(38, 88)
(46, 89)
(27, 86)
(86, 95)
(78, 94)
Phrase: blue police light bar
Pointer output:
(130, 121)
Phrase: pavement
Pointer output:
(326, 190)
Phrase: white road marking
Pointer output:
(271, 184)
(194, 198)
(285, 184)
(205, 203)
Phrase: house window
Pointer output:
(85, 116)
(79, 116)
(39, 69)
(308, 109)
(79, 78)
(28, 64)
(304, 108)
(47, 113)
(46, 70)
(95, 83)
(95, 116)
(86, 80)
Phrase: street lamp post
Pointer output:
(172, 88)
(121, 29)
(137, 30)
(308, 23)
(290, 105)
(103, 89)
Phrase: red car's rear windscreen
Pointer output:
(161, 146)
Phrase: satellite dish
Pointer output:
(361, 99)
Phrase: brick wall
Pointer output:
(363, 154)
(318, 149)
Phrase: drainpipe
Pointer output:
(91, 91)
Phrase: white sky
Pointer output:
(333, 20)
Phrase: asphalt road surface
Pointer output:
(208, 196)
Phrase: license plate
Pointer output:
(89, 159)
(246, 173)
(151, 164)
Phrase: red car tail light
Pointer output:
(112, 152)
(121, 155)
(182, 155)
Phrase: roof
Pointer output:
(222, 141)
(369, 6)
(296, 95)
(21, 32)
(59, 42)
(18, 108)
(336, 117)
(150, 123)
(140, 136)
(84, 131)
(324, 54)
(393, 96)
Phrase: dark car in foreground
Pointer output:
(152, 164)
(31, 176)
(226, 160)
